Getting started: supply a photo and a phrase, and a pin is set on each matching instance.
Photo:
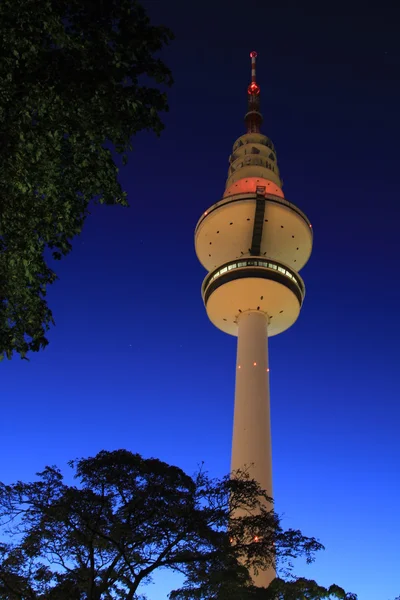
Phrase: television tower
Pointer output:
(253, 242)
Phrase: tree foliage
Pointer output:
(128, 517)
(74, 87)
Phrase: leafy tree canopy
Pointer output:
(128, 517)
(74, 86)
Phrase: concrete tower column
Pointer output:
(251, 444)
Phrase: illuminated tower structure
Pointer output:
(253, 242)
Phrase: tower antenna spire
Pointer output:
(253, 118)
(253, 56)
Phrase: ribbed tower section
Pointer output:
(253, 243)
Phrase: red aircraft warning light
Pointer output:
(253, 89)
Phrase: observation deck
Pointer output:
(253, 284)
(226, 231)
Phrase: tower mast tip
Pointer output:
(253, 117)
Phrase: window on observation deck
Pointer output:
(254, 263)
(255, 150)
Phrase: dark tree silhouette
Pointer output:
(74, 88)
(128, 517)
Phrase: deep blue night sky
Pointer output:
(133, 361)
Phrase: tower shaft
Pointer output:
(251, 444)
